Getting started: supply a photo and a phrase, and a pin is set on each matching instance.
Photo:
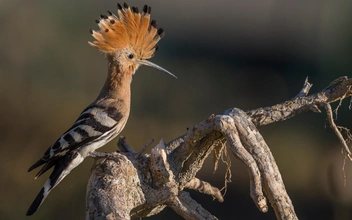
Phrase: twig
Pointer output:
(336, 130)
(189, 209)
(205, 187)
(124, 147)
(337, 90)
(145, 147)
(305, 90)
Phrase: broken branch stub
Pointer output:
(129, 184)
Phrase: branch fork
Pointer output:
(130, 184)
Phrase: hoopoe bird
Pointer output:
(128, 40)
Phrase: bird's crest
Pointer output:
(130, 29)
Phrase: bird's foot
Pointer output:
(99, 155)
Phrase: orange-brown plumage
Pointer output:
(130, 30)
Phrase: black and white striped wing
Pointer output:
(94, 128)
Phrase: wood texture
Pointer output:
(127, 184)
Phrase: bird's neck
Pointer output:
(118, 83)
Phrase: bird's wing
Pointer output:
(95, 126)
(91, 126)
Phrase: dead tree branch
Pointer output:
(127, 184)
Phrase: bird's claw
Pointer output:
(97, 156)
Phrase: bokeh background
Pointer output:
(238, 53)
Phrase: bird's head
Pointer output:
(130, 38)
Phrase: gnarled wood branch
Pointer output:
(127, 184)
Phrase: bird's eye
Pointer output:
(130, 56)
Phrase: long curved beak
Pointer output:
(147, 63)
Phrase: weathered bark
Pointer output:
(127, 184)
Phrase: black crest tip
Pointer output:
(135, 10)
(156, 47)
(104, 16)
(119, 6)
(125, 5)
(145, 9)
(149, 10)
(90, 31)
(161, 32)
(153, 23)
(109, 12)
(97, 21)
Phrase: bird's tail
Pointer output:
(44, 192)
(62, 168)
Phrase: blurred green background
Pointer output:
(240, 53)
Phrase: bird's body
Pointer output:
(127, 40)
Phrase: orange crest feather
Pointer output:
(130, 29)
